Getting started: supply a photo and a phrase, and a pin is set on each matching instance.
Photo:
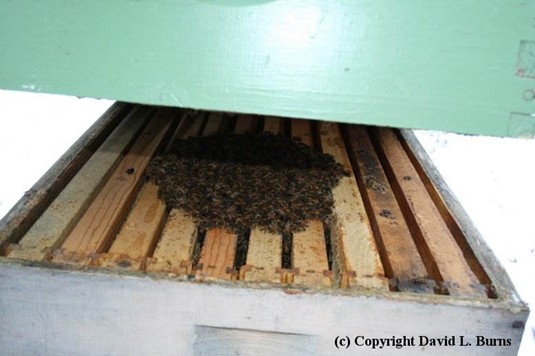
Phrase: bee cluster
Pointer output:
(241, 181)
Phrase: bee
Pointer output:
(242, 181)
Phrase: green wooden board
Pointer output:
(459, 65)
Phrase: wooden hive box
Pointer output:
(92, 262)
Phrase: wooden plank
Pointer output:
(477, 253)
(429, 227)
(301, 129)
(35, 201)
(174, 249)
(139, 232)
(245, 124)
(401, 259)
(214, 124)
(50, 230)
(189, 122)
(100, 222)
(273, 124)
(309, 250)
(194, 127)
(353, 244)
(309, 257)
(219, 247)
(264, 256)
(217, 255)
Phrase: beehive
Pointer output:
(93, 247)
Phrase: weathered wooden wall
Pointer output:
(47, 311)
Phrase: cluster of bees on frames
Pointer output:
(242, 181)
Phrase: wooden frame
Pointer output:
(103, 296)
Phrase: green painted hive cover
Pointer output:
(454, 65)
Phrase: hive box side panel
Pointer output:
(454, 66)
(47, 311)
